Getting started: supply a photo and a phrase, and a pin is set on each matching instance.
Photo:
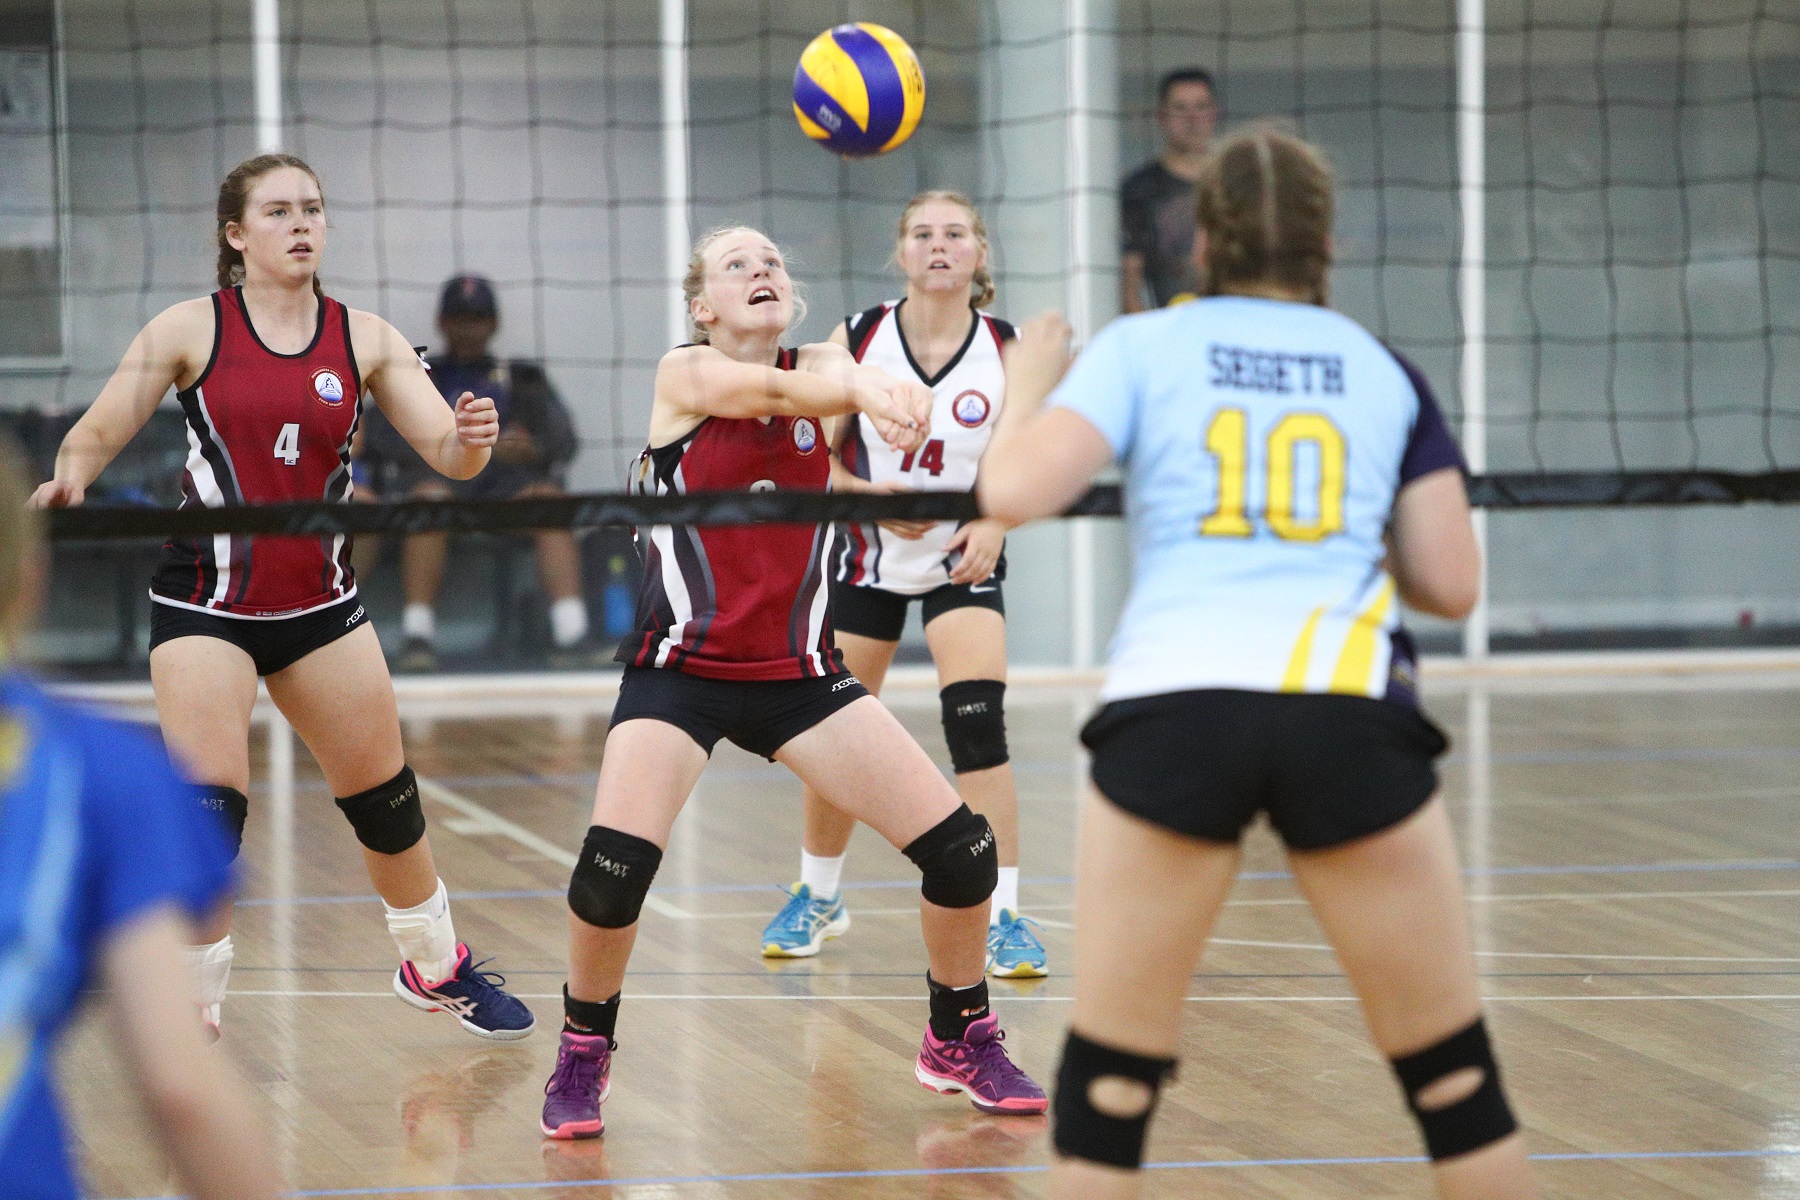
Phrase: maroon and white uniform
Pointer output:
(742, 602)
(265, 428)
(967, 392)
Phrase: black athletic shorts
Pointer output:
(877, 613)
(761, 715)
(1327, 769)
(271, 642)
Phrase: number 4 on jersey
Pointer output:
(931, 457)
(287, 443)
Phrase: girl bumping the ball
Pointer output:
(270, 373)
(938, 335)
(733, 642)
(1289, 480)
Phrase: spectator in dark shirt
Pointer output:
(537, 442)
(1156, 202)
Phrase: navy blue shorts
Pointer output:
(874, 612)
(273, 643)
(761, 715)
(1327, 769)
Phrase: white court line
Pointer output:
(1510, 897)
(490, 821)
(1694, 958)
(1297, 901)
(914, 997)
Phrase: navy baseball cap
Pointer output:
(468, 296)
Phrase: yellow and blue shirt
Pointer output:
(1264, 443)
(96, 830)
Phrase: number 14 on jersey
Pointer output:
(930, 456)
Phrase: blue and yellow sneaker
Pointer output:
(473, 996)
(803, 924)
(1014, 952)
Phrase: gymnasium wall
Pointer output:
(159, 107)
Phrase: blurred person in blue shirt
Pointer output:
(537, 443)
(106, 862)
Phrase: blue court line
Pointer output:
(789, 974)
(1036, 1169)
(722, 889)
(1630, 754)
(1051, 766)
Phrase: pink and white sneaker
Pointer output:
(978, 1066)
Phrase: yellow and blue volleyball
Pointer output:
(859, 90)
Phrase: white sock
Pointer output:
(425, 935)
(419, 621)
(568, 621)
(822, 875)
(1006, 894)
(210, 969)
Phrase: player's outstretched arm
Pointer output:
(1433, 554)
(695, 382)
(173, 346)
(206, 1118)
(454, 441)
(1038, 463)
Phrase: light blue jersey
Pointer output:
(1264, 443)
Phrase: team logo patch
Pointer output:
(806, 436)
(328, 386)
(970, 409)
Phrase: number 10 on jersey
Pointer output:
(1228, 442)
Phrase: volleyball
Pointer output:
(859, 90)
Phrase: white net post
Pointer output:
(677, 241)
(1080, 302)
(265, 18)
(1471, 141)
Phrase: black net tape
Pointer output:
(1514, 490)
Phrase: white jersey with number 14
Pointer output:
(968, 391)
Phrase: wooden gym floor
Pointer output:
(1634, 861)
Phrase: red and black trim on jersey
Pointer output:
(858, 557)
(264, 428)
(860, 328)
(736, 602)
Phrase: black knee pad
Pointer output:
(975, 723)
(1083, 1131)
(612, 877)
(232, 807)
(388, 818)
(1480, 1118)
(959, 859)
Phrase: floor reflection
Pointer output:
(974, 1142)
(439, 1109)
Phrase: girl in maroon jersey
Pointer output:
(733, 642)
(270, 374)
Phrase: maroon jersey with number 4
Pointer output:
(264, 428)
(743, 601)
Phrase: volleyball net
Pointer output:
(1581, 219)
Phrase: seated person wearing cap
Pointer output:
(537, 441)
